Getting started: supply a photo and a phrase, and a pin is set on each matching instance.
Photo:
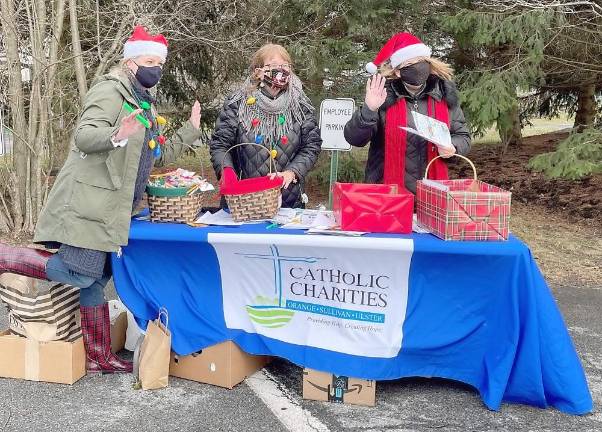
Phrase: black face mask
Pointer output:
(147, 76)
(416, 74)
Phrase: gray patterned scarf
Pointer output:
(276, 116)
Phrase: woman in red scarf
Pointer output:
(409, 79)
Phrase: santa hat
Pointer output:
(143, 43)
(399, 49)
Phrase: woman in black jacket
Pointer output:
(409, 80)
(270, 109)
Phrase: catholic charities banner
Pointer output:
(347, 295)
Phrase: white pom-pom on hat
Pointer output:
(371, 68)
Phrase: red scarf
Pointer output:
(395, 143)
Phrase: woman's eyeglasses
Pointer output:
(285, 66)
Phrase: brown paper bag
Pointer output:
(155, 353)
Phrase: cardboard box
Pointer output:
(118, 332)
(223, 365)
(56, 362)
(323, 386)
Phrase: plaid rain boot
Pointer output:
(24, 261)
(96, 329)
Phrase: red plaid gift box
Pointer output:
(466, 209)
(372, 208)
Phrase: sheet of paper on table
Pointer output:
(221, 218)
(285, 215)
(307, 219)
(430, 129)
(335, 232)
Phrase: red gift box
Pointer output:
(466, 209)
(372, 208)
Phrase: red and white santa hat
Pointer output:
(143, 43)
(399, 49)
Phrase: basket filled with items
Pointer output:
(177, 196)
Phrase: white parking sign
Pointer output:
(334, 114)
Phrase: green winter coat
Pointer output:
(90, 204)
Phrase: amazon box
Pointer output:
(224, 365)
(323, 386)
(55, 362)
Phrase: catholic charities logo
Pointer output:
(346, 295)
(299, 281)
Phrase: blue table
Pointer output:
(477, 312)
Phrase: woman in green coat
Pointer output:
(88, 212)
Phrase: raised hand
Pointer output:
(195, 115)
(129, 126)
(375, 92)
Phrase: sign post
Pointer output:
(334, 115)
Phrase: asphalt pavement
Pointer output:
(271, 400)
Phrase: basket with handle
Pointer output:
(463, 209)
(178, 204)
(263, 204)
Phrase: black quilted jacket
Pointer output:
(369, 127)
(298, 155)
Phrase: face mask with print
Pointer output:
(276, 78)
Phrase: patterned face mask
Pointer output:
(276, 78)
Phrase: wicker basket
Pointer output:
(256, 205)
(174, 204)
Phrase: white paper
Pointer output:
(311, 219)
(116, 308)
(416, 227)
(206, 186)
(430, 129)
(221, 218)
(334, 232)
(324, 220)
(285, 215)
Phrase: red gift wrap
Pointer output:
(374, 208)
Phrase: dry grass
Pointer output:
(538, 126)
(565, 251)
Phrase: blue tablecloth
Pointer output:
(477, 312)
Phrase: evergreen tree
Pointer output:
(499, 55)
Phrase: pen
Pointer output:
(273, 225)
